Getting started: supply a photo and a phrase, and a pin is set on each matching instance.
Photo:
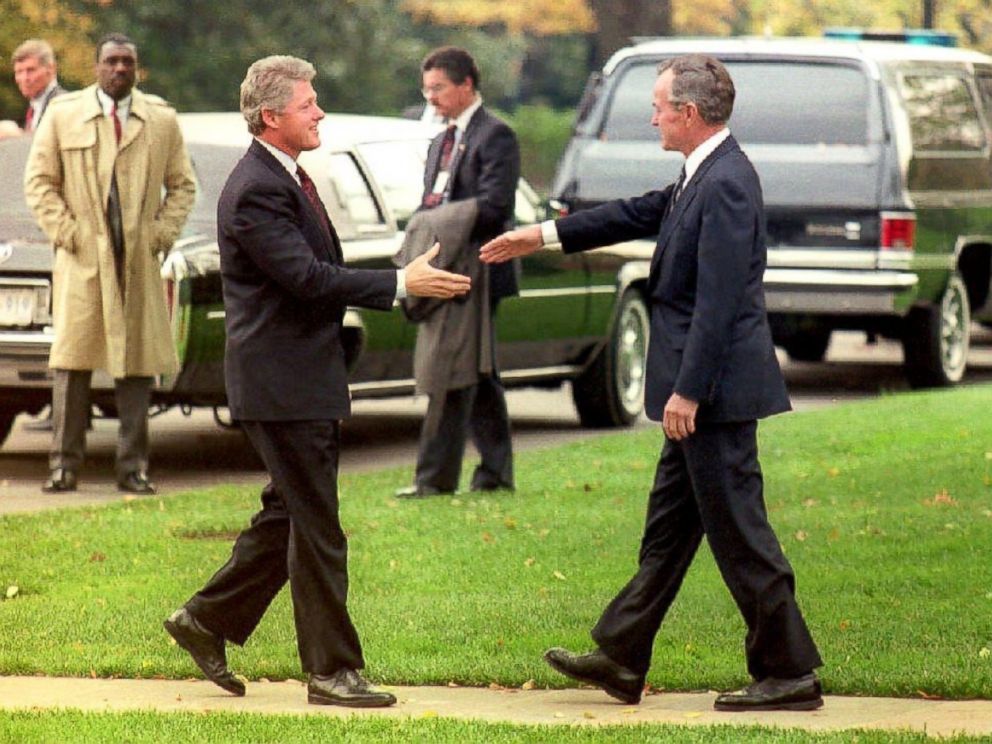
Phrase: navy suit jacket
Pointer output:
(285, 294)
(710, 339)
(484, 166)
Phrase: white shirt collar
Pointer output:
(703, 151)
(107, 105)
(284, 159)
(462, 120)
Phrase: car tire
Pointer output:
(808, 346)
(610, 391)
(936, 338)
(6, 424)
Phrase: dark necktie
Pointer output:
(117, 122)
(310, 189)
(444, 164)
(676, 192)
(29, 119)
(115, 221)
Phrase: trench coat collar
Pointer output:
(135, 120)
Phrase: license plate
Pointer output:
(17, 305)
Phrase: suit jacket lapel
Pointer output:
(329, 242)
(685, 199)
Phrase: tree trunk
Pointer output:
(619, 20)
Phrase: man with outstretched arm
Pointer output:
(711, 374)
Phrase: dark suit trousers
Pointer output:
(71, 415)
(481, 410)
(710, 483)
(296, 536)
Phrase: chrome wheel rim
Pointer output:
(631, 355)
(955, 318)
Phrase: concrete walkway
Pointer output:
(549, 707)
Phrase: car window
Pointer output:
(942, 113)
(349, 198)
(985, 90)
(794, 103)
(398, 168)
(212, 165)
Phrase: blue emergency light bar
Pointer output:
(906, 36)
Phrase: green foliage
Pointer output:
(543, 133)
(153, 728)
(883, 508)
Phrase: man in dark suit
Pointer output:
(711, 373)
(476, 157)
(35, 75)
(285, 294)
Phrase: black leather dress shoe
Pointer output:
(60, 480)
(596, 668)
(420, 492)
(772, 693)
(346, 687)
(206, 648)
(135, 482)
(492, 487)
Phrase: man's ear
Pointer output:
(269, 118)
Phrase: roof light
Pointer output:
(907, 36)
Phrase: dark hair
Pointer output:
(117, 40)
(456, 63)
(704, 81)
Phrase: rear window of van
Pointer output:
(789, 103)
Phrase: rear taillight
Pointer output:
(898, 231)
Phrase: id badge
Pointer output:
(441, 182)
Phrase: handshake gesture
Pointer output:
(423, 280)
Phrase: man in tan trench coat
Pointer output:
(111, 184)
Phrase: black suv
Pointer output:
(875, 163)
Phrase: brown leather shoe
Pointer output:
(346, 687)
(59, 481)
(596, 668)
(206, 648)
(773, 693)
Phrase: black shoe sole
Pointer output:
(614, 692)
(351, 703)
(232, 685)
(800, 705)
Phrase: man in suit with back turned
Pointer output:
(285, 293)
(711, 374)
(476, 157)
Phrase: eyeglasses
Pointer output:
(433, 90)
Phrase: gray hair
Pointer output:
(703, 81)
(40, 49)
(268, 84)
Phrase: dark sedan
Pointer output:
(580, 319)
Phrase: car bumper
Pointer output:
(840, 292)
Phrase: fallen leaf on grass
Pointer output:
(928, 696)
(801, 535)
(588, 714)
(941, 498)
(528, 685)
(833, 472)
(453, 684)
(984, 653)
(559, 575)
(529, 562)
(12, 591)
(97, 557)
(488, 537)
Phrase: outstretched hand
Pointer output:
(520, 242)
(423, 280)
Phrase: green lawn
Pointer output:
(153, 728)
(883, 508)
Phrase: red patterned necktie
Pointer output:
(447, 148)
(117, 122)
(29, 119)
(310, 189)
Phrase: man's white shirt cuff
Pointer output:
(549, 233)
(400, 284)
